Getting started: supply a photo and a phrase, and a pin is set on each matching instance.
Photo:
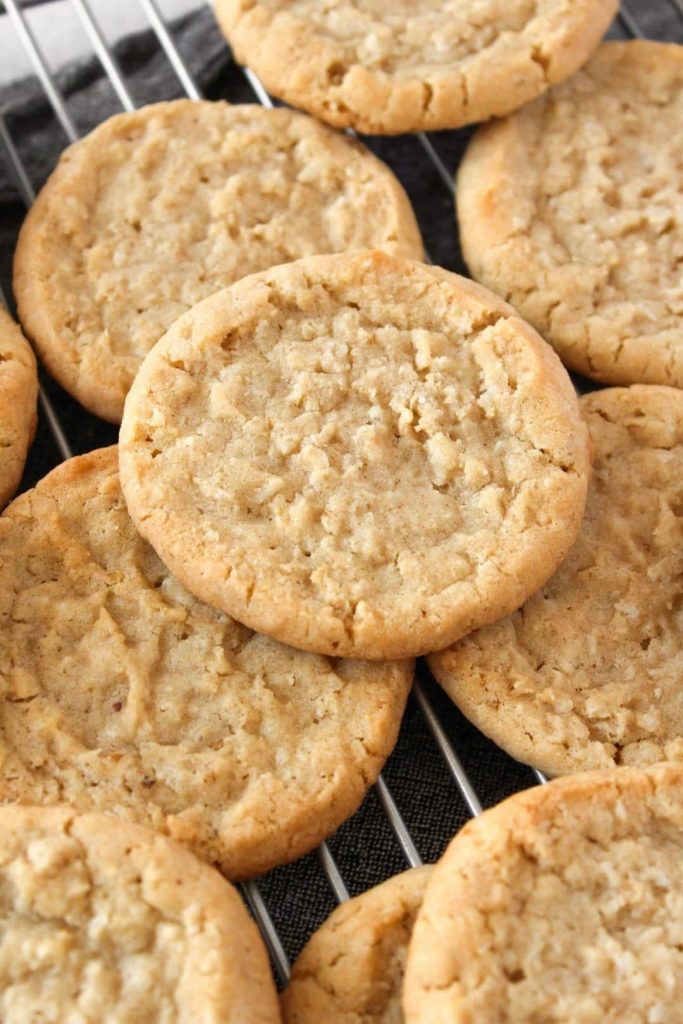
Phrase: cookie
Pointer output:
(18, 397)
(104, 920)
(563, 905)
(571, 209)
(394, 66)
(588, 673)
(155, 210)
(357, 455)
(351, 970)
(122, 693)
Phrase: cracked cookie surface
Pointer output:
(102, 919)
(358, 455)
(157, 209)
(351, 969)
(122, 693)
(18, 397)
(391, 66)
(563, 905)
(572, 210)
(588, 673)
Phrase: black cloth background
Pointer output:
(298, 895)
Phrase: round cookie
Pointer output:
(156, 209)
(563, 905)
(588, 673)
(351, 970)
(571, 209)
(356, 454)
(390, 66)
(18, 397)
(122, 693)
(104, 920)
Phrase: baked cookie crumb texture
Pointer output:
(18, 397)
(103, 920)
(119, 692)
(351, 970)
(563, 905)
(390, 66)
(356, 454)
(588, 673)
(156, 209)
(572, 209)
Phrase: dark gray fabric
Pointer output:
(298, 896)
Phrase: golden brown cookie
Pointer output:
(390, 66)
(106, 921)
(18, 397)
(122, 693)
(562, 905)
(155, 210)
(351, 970)
(357, 455)
(588, 673)
(571, 209)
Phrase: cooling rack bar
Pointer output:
(40, 66)
(157, 22)
(334, 876)
(398, 824)
(254, 81)
(440, 167)
(460, 776)
(55, 426)
(629, 22)
(253, 896)
(16, 165)
(104, 54)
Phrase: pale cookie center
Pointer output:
(402, 36)
(601, 933)
(609, 187)
(77, 946)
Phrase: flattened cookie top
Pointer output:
(588, 673)
(157, 209)
(18, 396)
(124, 694)
(572, 209)
(357, 455)
(389, 66)
(562, 905)
(103, 920)
(351, 970)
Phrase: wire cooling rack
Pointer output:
(443, 769)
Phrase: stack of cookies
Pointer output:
(335, 458)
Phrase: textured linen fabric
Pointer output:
(298, 896)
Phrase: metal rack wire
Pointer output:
(104, 54)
